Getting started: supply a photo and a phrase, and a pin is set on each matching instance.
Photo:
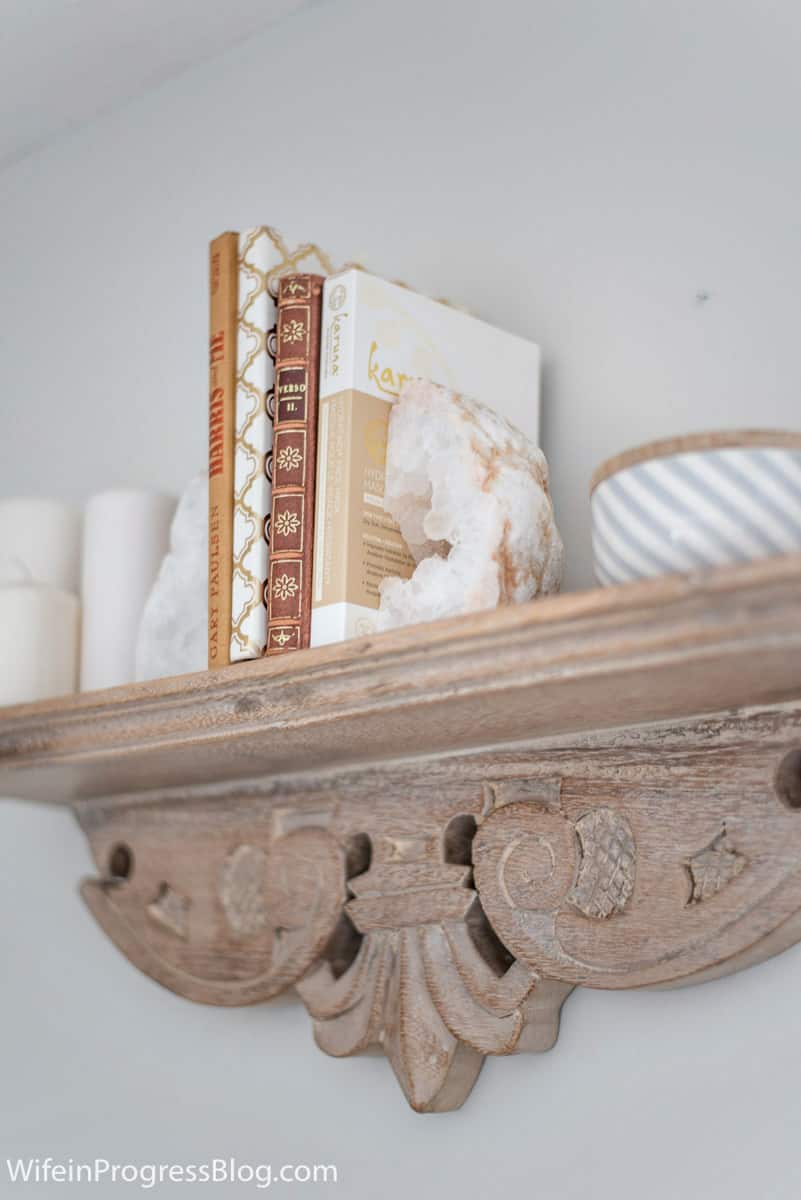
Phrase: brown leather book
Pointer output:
(297, 372)
(223, 286)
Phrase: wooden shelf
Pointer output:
(435, 834)
(587, 660)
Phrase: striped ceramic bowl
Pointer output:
(698, 501)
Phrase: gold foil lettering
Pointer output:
(386, 380)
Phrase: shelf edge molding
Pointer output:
(615, 656)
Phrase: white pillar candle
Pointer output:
(39, 629)
(126, 534)
(40, 542)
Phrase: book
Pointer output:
(264, 257)
(375, 334)
(297, 368)
(222, 370)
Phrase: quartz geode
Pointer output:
(470, 493)
(173, 632)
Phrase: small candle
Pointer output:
(39, 632)
(126, 535)
(40, 542)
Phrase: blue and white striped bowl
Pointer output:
(699, 501)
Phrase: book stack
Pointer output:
(244, 274)
(304, 366)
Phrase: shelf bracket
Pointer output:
(444, 908)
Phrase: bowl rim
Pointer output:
(688, 443)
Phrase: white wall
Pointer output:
(575, 171)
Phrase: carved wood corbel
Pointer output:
(444, 909)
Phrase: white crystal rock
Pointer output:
(173, 632)
(470, 493)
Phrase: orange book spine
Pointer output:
(297, 374)
(223, 286)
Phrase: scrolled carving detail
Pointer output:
(449, 921)
(540, 868)
(272, 903)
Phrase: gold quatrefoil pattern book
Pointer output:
(264, 257)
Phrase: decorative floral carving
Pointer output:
(170, 910)
(546, 873)
(712, 868)
(242, 890)
(419, 986)
(282, 637)
(608, 864)
(449, 919)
